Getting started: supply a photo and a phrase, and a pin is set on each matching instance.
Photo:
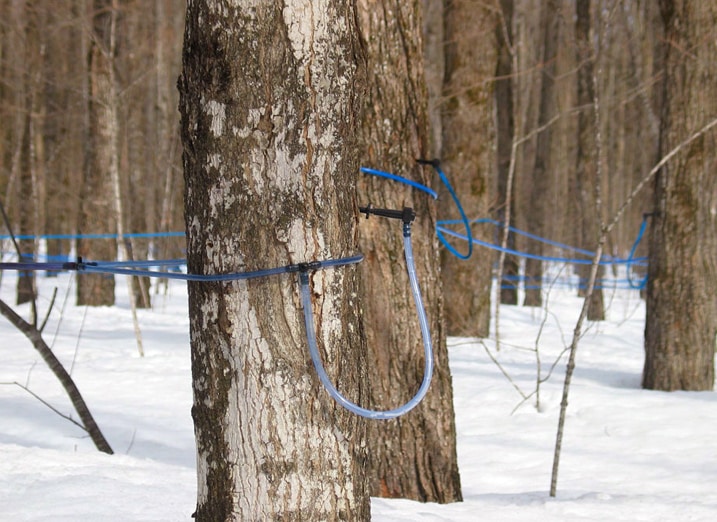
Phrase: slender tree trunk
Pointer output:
(413, 456)
(27, 204)
(268, 98)
(97, 214)
(166, 129)
(539, 190)
(505, 134)
(587, 157)
(26, 279)
(681, 324)
(138, 178)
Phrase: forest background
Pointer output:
(84, 151)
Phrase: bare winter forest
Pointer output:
(90, 141)
(88, 102)
(573, 133)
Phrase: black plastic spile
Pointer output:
(407, 215)
(435, 162)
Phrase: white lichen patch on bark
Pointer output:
(303, 244)
(221, 196)
(331, 321)
(214, 161)
(299, 20)
(217, 112)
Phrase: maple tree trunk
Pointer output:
(681, 323)
(413, 456)
(268, 98)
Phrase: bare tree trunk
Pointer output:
(268, 98)
(166, 126)
(414, 456)
(110, 102)
(136, 113)
(505, 135)
(65, 132)
(587, 154)
(97, 214)
(26, 278)
(468, 156)
(27, 204)
(539, 191)
(681, 324)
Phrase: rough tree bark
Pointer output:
(587, 155)
(681, 322)
(26, 279)
(413, 456)
(97, 213)
(539, 187)
(468, 157)
(268, 100)
(29, 205)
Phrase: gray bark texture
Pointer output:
(268, 100)
(681, 322)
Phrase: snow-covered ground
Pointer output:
(628, 454)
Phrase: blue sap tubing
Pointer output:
(425, 332)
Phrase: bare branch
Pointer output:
(506, 224)
(503, 370)
(35, 337)
(43, 401)
(591, 286)
(644, 181)
(49, 310)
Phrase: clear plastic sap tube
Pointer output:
(425, 332)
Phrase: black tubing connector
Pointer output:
(309, 266)
(407, 215)
(435, 162)
(78, 265)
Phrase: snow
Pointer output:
(628, 454)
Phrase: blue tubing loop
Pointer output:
(529, 235)
(425, 332)
(517, 253)
(444, 179)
